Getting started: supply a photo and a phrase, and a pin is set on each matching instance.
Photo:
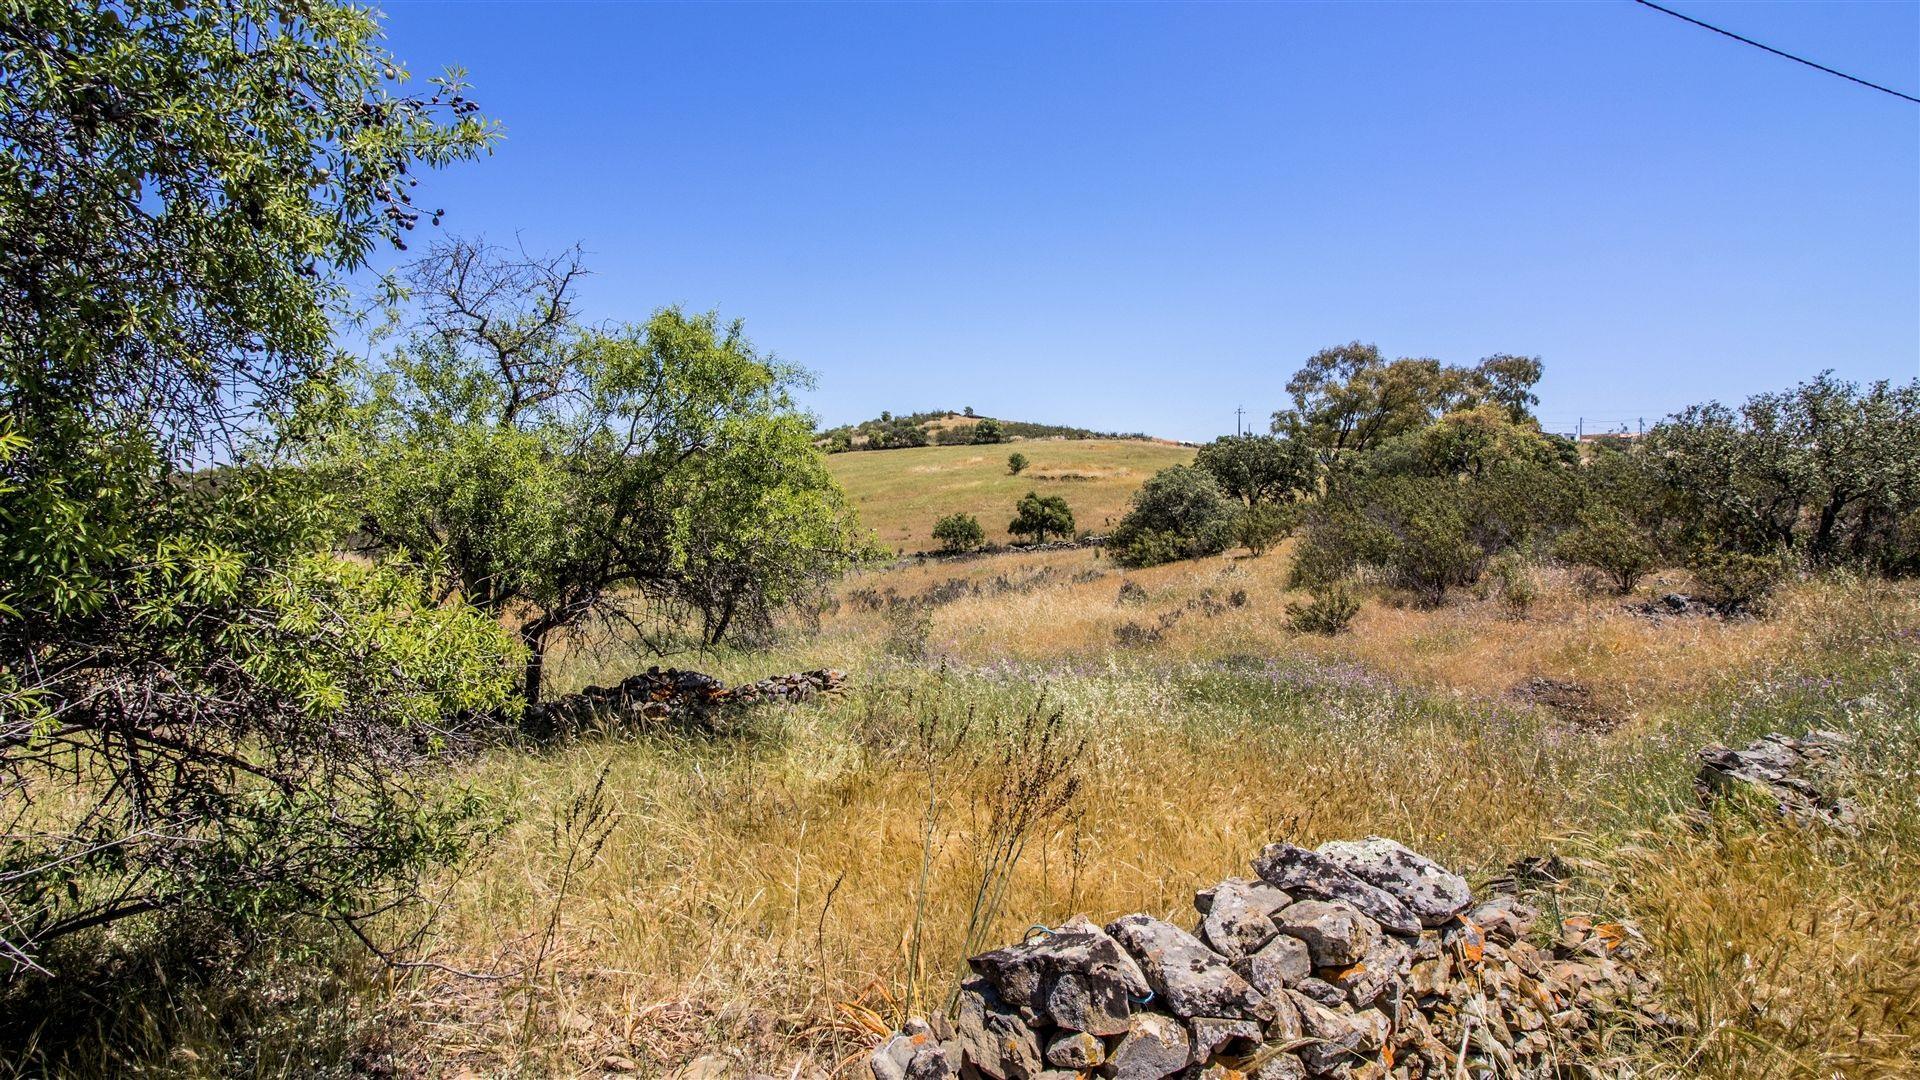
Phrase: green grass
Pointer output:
(901, 493)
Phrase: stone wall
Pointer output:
(668, 697)
(1360, 959)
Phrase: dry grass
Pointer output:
(755, 894)
(901, 493)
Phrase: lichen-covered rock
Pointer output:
(1335, 934)
(1282, 962)
(1299, 871)
(991, 1036)
(1237, 922)
(1075, 1050)
(1154, 1046)
(1188, 978)
(1798, 777)
(1336, 1039)
(1212, 1035)
(1428, 890)
(1028, 974)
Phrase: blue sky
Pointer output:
(1141, 216)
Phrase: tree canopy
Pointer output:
(1041, 516)
(1350, 398)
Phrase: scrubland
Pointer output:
(769, 899)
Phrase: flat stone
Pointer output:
(1266, 895)
(1337, 1040)
(1188, 979)
(1377, 976)
(1154, 1046)
(1236, 923)
(1075, 1050)
(1427, 889)
(1321, 991)
(1283, 962)
(991, 1036)
(1308, 873)
(1336, 934)
(1212, 1034)
(1019, 972)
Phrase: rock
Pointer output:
(1425, 888)
(1336, 1039)
(1504, 919)
(1276, 1063)
(1335, 934)
(1321, 991)
(1211, 1035)
(1263, 894)
(1075, 1050)
(991, 1036)
(1376, 976)
(1299, 871)
(1237, 923)
(1077, 1003)
(1284, 961)
(1188, 979)
(618, 1063)
(890, 1058)
(1154, 1046)
(1021, 973)
(1799, 778)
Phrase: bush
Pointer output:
(988, 431)
(1016, 463)
(1513, 576)
(1330, 611)
(1040, 517)
(1263, 525)
(1607, 541)
(1179, 513)
(959, 532)
(1738, 581)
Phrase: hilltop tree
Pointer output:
(201, 709)
(1260, 469)
(1040, 517)
(554, 473)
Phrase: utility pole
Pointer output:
(1579, 429)
(1238, 412)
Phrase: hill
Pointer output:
(945, 428)
(900, 495)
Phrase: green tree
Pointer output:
(988, 431)
(553, 473)
(1040, 517)
(199, 707)
(1827, 469)
(1350, 398)
(1179, 513)
(1016, 463)
(959, 532)
(1260, 469)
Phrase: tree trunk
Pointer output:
(534, 637)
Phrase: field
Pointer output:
(756, 893)
(901, 493)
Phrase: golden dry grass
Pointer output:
(756, 893)
(899, 494)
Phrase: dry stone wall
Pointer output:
(662, 697)
(1359, 959)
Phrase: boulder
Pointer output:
(1335, 934)
(1188, 979)
(1021, 973)
(1299, 871)
(1424, 887)
(1079, 1002)
(1800, 778)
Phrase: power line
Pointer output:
(1777, 52)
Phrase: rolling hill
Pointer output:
(901, 493)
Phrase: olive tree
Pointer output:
(200, 707)
(649, 476)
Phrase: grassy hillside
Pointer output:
(901, 493)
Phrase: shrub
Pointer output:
(959, 532)
(1178, 514)
(1512, 575)
(988, 430)
(1040, 517)
(1330, 611)
(1263, 525)
(1737, 581)
(1016, 463)
(1607, 541)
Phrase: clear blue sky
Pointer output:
(1140, 216)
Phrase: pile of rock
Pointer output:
(1359, 959)
(660, 697)
(1801, 778)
